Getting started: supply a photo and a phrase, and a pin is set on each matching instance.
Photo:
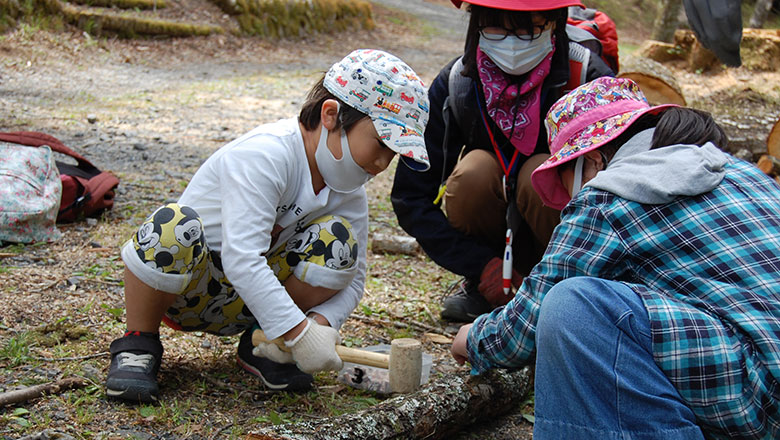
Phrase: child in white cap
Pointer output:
(271, 231)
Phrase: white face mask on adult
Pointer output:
(341, 175)
(515, 56)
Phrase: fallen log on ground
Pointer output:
(437, 411)
(33, 392)
(770, 165)
(655, 80)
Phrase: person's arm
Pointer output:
(584, 244)
(413, 194)
(337, 309)
(253, 180)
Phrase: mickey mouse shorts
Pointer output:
(169, 253)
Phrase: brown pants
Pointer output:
(475, 205)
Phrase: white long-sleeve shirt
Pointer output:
(259, 183)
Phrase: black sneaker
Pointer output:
(464, 302)
(132, 375)
(276, 376)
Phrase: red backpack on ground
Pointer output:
(603, 28)
(85, 189)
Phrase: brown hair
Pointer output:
(310, 112)
(482, 16)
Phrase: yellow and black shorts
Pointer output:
(169, 253)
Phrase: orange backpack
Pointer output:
(603, 28)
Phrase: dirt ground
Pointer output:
(151, 111)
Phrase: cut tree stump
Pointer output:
(437, 411)
(656, 80)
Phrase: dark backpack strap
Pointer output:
(37, 139)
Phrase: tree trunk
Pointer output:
(760, 13)
(437, 411)
(667, 20)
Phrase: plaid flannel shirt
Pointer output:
(708, 271)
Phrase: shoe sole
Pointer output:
(256, 372)
(132, 391)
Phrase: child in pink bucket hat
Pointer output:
(587, 118)
(654, 311)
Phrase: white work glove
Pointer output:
(272, 351)
(315, 348)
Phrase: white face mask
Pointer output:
(341, 175)
(515, 56)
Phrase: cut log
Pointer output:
(773, 140)
(437, 411)
(660, 51)
(699, 58)
(760, 49)
(656, 81)
(770, 165)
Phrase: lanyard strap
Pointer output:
(508, 168)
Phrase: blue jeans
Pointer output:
(595, 373)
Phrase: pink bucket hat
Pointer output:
(583, 120)
(391, 94)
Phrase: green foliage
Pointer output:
(299, 18)
(629, 14)
(16, 350)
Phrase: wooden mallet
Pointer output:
(404, 363)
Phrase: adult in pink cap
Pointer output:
(654, 312)
(484, 138)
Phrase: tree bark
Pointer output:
(667, 20)
(437, 411)
(760, 13)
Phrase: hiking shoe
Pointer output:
(276, 376)
(464, 302)
(132, 375)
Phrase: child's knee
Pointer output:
(566, 309)
(166, 247)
